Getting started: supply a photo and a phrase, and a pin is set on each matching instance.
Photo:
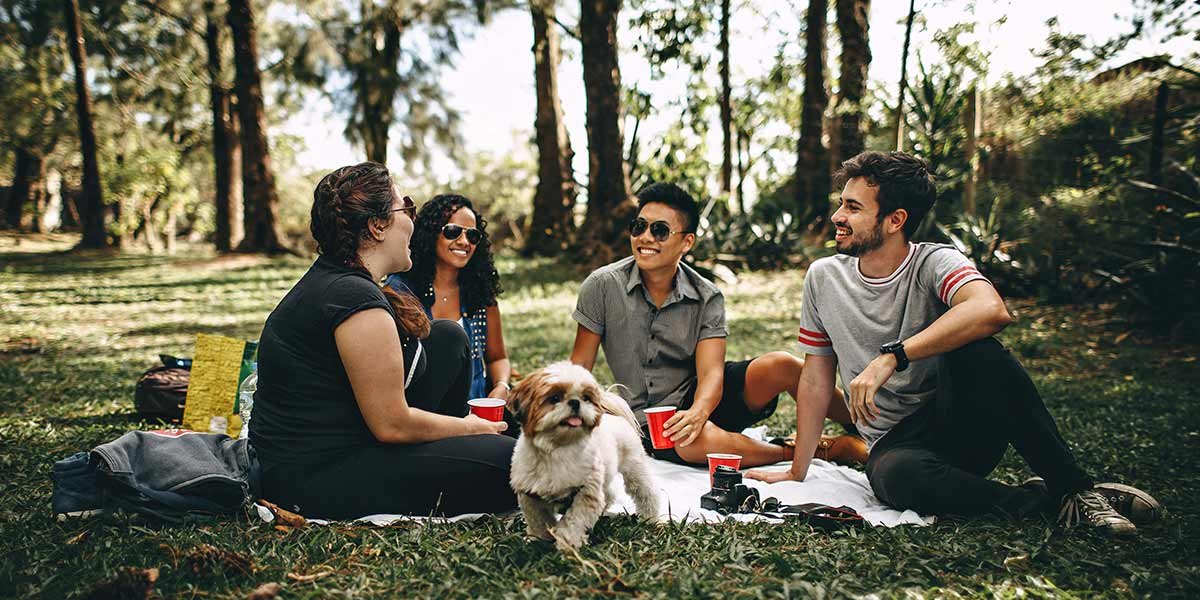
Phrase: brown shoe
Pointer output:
(843, 450)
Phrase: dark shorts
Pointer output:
(731, 413)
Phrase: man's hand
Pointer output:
(773, 476)
(500, 391)
(685, 425)
(864, 387)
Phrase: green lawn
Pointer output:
(76, 330)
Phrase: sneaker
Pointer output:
(1133, 504)
(1091, 509)
(76, 491)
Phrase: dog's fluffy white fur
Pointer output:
(575, 437)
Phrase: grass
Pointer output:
(77, 329)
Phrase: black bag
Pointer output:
(161, 392)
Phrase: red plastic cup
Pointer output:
(491, 409)
(716, 459)
(657, 417)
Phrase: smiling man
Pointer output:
(662, 326)
(910, 326)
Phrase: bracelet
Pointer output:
(507, 386)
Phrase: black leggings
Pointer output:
(452, 476)
(936, 460)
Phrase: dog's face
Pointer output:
(559, 404)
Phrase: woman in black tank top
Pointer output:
(336, 435)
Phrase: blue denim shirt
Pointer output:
(475, 324)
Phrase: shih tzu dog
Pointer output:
(575, 437)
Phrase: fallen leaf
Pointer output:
(266, 591)
(298, 578)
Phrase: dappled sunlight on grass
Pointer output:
(77, 330)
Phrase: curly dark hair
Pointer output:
(344, 203)
(478, 282)
(904, 181)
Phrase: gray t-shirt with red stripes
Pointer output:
(847, 314)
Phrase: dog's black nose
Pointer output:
(574, 403)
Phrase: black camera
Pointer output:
(729, 494)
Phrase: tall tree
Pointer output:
(853, 20)
(725, 101)
(552, 222)
(812, 165)
(898, 131)
(608, 182)
(225, 146)
(258, 181)
(91, 198)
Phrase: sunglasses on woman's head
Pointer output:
(408, 207)
(661, 230)
(451, 232)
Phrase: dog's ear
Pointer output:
(519, 397)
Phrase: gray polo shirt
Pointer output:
(849, 315)
(651, 350)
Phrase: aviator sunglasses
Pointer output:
(408, 207)
(661, 230)
(451, 232)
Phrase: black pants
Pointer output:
(452, 476)
(936, 460)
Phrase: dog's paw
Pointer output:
(540, 534)
(567, 541)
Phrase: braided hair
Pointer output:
(344, 204)
(478, 281)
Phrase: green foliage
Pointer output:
(74, 335)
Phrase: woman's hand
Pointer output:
(478, 425)
(773, 476)
(500, 391)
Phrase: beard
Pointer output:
(873, 241)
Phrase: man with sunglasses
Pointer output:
(662, 327)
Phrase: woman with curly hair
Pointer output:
(455, 278)
(336, 437)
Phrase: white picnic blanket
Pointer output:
(680, 488)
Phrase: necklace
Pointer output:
(434, 296)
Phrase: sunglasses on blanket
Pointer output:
(661, 230)
(452, 232)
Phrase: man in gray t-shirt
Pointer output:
(909, 328)
(662, 327)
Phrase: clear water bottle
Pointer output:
(246, 399)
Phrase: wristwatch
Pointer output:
(896, 349)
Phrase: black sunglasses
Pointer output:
(661, 230)
(451, 232)
(408, 207)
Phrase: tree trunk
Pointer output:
(853, 19)
(608, 183)
(743, 151)
(726, 104)
(375, 78)
(812, 166)
(971, 118)
(898, 131)
(28, 188)
(552, 223)
(227, 197)
(91, 198)
(1158, 125)
(258, 182)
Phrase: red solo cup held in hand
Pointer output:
(716, 459)
(491, 409)
(656, 418)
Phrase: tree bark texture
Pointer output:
(853, 20)
(812, 166)
(91, 199)
(262, 232)
(608, 182)
(227, 194)
(552, 223)
(726, 103)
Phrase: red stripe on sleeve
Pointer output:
(950, 283)
(813, 334)
(946, 280)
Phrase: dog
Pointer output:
(575, 437)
